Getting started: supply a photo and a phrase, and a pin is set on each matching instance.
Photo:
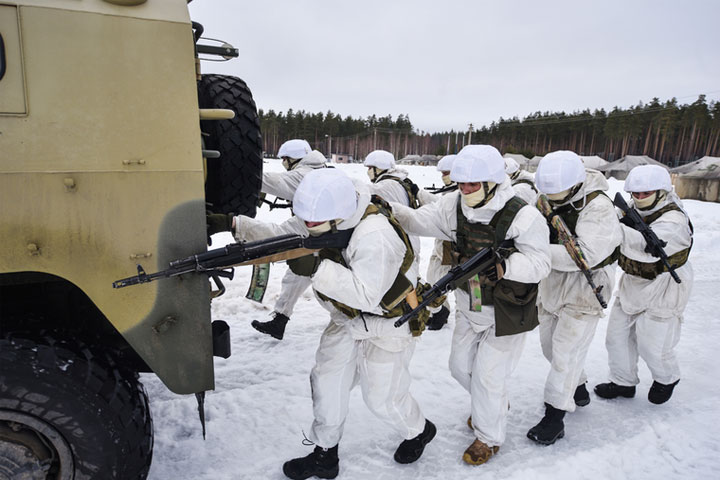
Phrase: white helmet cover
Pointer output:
(511, 166)
(445, 164)
(295, 148)
(325, 194)
(648, 178)
(559, 171)
(478, 163)
(380, 159)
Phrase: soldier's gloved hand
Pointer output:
(219, 222)
(625, 220)
(496, 273)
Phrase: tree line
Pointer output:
(666, 131)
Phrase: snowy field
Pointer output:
(261, 405)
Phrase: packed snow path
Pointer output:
(261, 405)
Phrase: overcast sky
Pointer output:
(448, 63)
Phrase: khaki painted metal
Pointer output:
(101, 167)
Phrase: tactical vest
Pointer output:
(650, 271)
(410, 188)
(393, 302)
(514, 302)
(570, 214)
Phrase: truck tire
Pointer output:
(233, 180)
(67, 412)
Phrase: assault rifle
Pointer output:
(481, 262)
(570, 244)
(446, 188)
(655, 246)
(219, 262)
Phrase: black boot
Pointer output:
(410, 450)
(322, 462)
(550, 428)
(275, 327)
(612, 390)
(438, 319)
(661, 393)
(581, 397)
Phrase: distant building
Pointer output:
(341, 158)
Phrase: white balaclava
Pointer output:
(325, 195)
(479, 164)
(378, 162)
(560, 176)
(292, 152)
(648, 178)
(445, 166)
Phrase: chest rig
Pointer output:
(650, 271)
(514, 302)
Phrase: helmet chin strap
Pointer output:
(290, 163)
(571, 192)
(481, 196)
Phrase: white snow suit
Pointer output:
(523, 189)
(646, 317)
(568, 309)
(391, 191)
(283, 185)
(479, 360)
(367, 349)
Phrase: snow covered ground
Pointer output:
(261, 405)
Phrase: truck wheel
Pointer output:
(233, 180)
(67, 413)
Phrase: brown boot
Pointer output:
(479, 453)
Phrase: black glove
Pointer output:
(219, 222)
(497, 272)
(625, 220)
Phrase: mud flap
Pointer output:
(258, 283)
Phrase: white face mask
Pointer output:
(650, 201)
(479, 196)
(446, 179)
(322, 228)
(289, 163)
(373, 173)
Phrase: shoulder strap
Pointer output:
(410, 189)
(504, 217)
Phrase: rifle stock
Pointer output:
(570, 244)
(655, 245)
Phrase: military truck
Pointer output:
(113, 146)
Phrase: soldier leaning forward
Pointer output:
(360, 344)
(569, 309)
(491, 321)
(646, 317)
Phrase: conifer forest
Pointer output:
(667, 131)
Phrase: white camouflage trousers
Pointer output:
(291, 289)
(482, 363)
(565, 341)
(642, 335)
(384, 377)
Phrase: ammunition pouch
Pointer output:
(650, 271)
(515, 307)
